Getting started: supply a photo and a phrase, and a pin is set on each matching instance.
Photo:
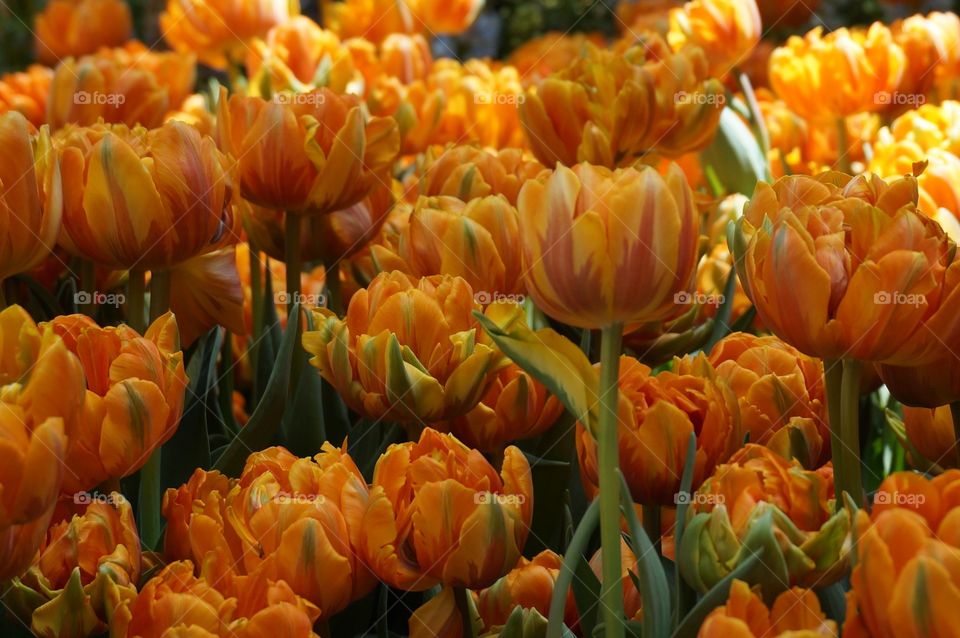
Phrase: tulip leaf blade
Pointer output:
(303, 424)
(735, 155)
(575, 551)
(259, 431)
(586, 593)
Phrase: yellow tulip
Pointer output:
(726, 30)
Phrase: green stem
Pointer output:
(159, 293)
(756, 117)
(651, 525)
(576, 549)
(149, 500)
(256, 305)
(833, 378)
(463, 606)
(88, 284)
(611, 592)
(291, 249)
(955, 413)
(843, 146)
(851, 481)
(136, 293)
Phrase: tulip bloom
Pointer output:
(407, 349)
(134, 398)
(482, 537)
(307, 153)
(930, 434)
(726, 30)
(657, 414)
(42, 392)
(68, 28)
(612, 108)
(374, 20)
(845, 72)
(143, 199)
(554, 51)
(31, 203)
(469, 172)
(530, 585)
(794, 612)
(406, 57)
(446, 17)
(27, 92)
(931, 46)
(780, 392)
(602, 246)
(218, 30)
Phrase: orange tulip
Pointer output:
(845, 72)
(632, 603)
(145, 199)
(417, 107)
(657, 414)
(134, 398)
(308, 153)
(931, 45)
(373, 20)
(406, 57)
(407, 349)
(194, 112)
(77, 27)
(930, 385)
(445, 17)
(469, 172)
(933, 499)
(27, 92)
(795, 612)
(877, 277)
(613, 108)
(530, 585)
(409, 547)
(602, 246)
(209, 293)
(931, 435)
(42, 391)
(726, 30)
(175, 72)
(553, 51)
(218, 31)
(780, 392)
(31, 203)
(201, 497)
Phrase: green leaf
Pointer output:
(575, 551)
(735, 156)
(684, 595)
(259, 431)
(586, 593)
(552, 470)
(303, 424)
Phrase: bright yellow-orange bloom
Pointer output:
(602, 246)
(612, 108)
(374, 20)
(27, 92)
(307, 153)
(41, 392)
(218, 31)
(657, 414)
(468, 172)
(146, 199)
(134, 398)
(530, 585)
(796, 612)
(847, 267)
(845, 72)
(445, 17)
(68, 28)
(478, 540)
(407, 349)
(726, 30)
(931, 45)
(780, 392)
(406, 57)
(31, 196)
(554, 51)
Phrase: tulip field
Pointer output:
(467, 319)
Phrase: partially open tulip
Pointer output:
(744, 615)
(842, 267)
(307, 153)
(31, 202)
(934, 499)
(143, 199)
(406, 57)
(481, 537)
(554, 51)
(407, 349)
(77, 27)
(209, 293)
(602, 246)
(931, 46)
(446, 17)
(41, 390)
(632, 603)
(27, 92)
(468, 172)
(726, 30)
(528, 585)
(373, 20)
(657, 414)
(88, 564)
(930, 436)
(847, 71)
(780, 392)
(192, 511)
(612, 108)
(134, 398)
(218, 31)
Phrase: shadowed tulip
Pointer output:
(529, 585)
(795, 612)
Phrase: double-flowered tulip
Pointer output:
(77, 27)
(795, 612)
(726, 30)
